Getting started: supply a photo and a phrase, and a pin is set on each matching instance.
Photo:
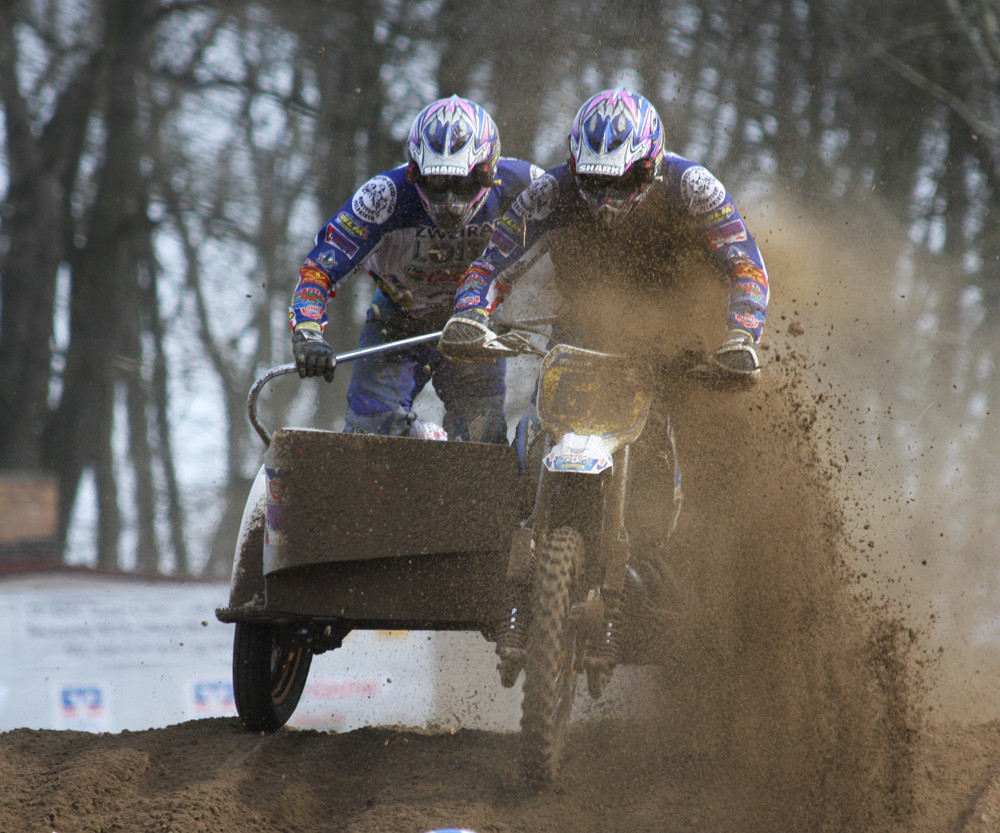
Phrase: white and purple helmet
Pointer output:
(616, 149)
(453, 150)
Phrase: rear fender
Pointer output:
(246, 586)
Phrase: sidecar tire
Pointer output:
(269, 675)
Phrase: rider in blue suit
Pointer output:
(620, 220)
(620, 205)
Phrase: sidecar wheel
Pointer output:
(550, 673)
(269, 674)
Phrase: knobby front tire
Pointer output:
(550, 675)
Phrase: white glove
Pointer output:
(466, 334)
(738, 355)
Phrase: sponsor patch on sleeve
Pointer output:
(720, 214)
(472, 283)
(375, 201)
(352, 225)
(512, 224)
(309, 292)
(750, 272)
(309, 274)
(751, 291)
(312, 326)
(502, 241)
(312, 311)
(701, 190)
(479, 269)
(750, 321)
(336, 238)
(734, 232)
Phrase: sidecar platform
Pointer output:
(376, 532)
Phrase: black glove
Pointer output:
(737, 356)
(465, 334)
(313, 356)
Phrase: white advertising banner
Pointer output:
(103, 655)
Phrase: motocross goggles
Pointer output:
(452, 201)
(636, 178)
(461, 186)
(611, 198)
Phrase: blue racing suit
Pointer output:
(686, 208)
(385, 229)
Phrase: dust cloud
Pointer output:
(857, 293)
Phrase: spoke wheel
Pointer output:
(269, 674)
(550, 673)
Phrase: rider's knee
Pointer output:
(478, 421)
(386, 422)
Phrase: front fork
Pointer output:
(602, 608)
(513, 639)
(615, 545)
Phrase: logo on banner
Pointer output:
(85, 702)
(83, 707)
(212, 697)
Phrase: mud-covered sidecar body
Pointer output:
(377, 532)
(351, 531)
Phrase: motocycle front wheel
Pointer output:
(550, 672)
(269, 674)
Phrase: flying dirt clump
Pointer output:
(774, 669)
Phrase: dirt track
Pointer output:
(792, 698)
(211, 777)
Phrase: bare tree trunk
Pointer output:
(108, 513)
(148, 550)
(105, 347)
(164, 430)
(35, 229)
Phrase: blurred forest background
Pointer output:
(164, 165)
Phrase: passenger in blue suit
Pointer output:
(414, 229)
